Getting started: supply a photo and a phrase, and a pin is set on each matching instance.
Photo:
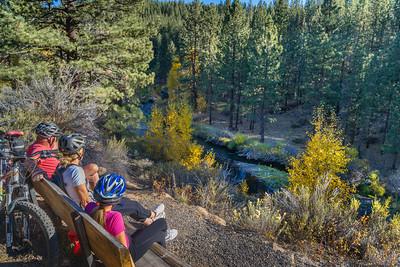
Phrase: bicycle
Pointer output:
(28, 228)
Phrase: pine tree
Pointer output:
(193, 40)
(264, 53)
(105, 40)
(209, 62)
(235, 32)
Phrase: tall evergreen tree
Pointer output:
(105, 40)
(209, 62)
(235, 32)
(264, 53)
(193, 40)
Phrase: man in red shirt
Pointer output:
(46, 140)
(47, 134)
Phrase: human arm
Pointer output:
(122, 238)
(83, 194)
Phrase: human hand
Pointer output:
(38, 177)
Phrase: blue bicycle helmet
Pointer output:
(109, 189)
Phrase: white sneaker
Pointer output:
(159, 211)
(171, 234)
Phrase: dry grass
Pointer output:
(73, 107)
(319, 217)
(205, 186)
(113, 155)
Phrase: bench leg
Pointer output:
(80, 231)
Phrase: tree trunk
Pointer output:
(209, 99)
(238, 99)
(262, 118)
(194, 79)
(252, 118)
(394, 164)
(232, 93)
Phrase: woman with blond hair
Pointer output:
(75, 184)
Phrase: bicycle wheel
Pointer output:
(34, 234)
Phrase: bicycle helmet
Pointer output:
(47, 130)
(71, 144)
(109, 189)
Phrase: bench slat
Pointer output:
(151, 260)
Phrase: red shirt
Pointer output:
(48, 165)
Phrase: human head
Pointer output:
(109, 189)
(72, 146)
(47, 131)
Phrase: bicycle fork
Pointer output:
(10, 205)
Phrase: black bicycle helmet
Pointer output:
(47, 130)
(71, 144)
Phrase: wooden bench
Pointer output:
(94, 238)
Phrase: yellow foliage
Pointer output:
(209, 159)
(377, 188)
(325, 157)
(244, 187)
(169, 137)
(380, 210)
(193, 159)
(201, 103)
(173, 80)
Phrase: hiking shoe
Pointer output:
(159, 211)
(171, 234)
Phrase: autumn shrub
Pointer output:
(261, 215)
(317, 216)
(237, 141)
(213, 193)
(208, 184)
(169, 135)
(183, 194)
(372, 186)
(169, 138)
(201, 104)
(325, 156)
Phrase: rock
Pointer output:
(276, 247)
(166, 195)
(133, 186)
(211, 217)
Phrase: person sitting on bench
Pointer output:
(46, 141)
(108, 192)
(75, 184)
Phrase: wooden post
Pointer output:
(80, 231)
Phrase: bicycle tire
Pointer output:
(50, 256)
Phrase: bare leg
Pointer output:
(91, 173)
